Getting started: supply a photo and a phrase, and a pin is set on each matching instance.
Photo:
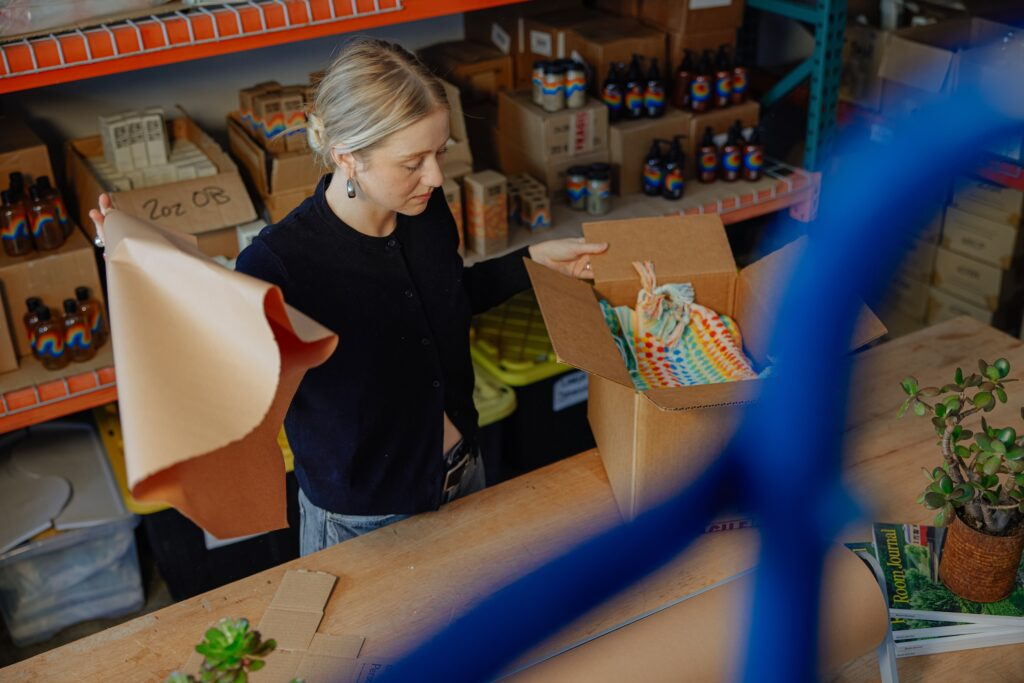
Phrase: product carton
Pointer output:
(551, 136)
(52, 276)
(980, 238)
(695, 43)
(979, 283)
(919, 261)
(207, 207)
(8, 320)
(720, 120)
(921, 63)
(995, 202)
(22, 151)
(553, 35)
(943, 306)
(453, 195)
(268, 111)
(692, 16)
(458, 161)
(246, 97)
(863, 51)
(629, 142)
(293, 103)
(486, 212)
(908, 296)
(654, 441)
(617, 39)
(480, 71)
(551, 173)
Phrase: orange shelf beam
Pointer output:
(161, 39)
(55, 398)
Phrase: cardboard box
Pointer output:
(654, 441)
(268, 112)
(978, 283)
(246, 97)
(553, 35)
(696, 43)
(551, 173)
(479, 70)
(486, 213)
(458, 162)
(629, 142)
(943, 306)
(22, 151)
(602, 43)
(692, 16)
(551, 136)
(921, 63)
(919, 261)
(505, 28)
(863, 51)
(52, 276)
(293, 103)
(987, 241)
(199, 207)
(9, 320)
(995, 202)
(932, 232)
(908, 296)
(482, 127)
(748, 114)
(625, 8)
(453, 195)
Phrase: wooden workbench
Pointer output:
(396, 584)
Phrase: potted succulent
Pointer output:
(230, 653)
(979, 488)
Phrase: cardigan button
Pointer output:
(436, 384)
(425, 341)
(392, 243)
(408, 293)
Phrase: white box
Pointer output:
(908, 296)
(944, 306)
(981, 284)
(156, 136)
(121, 146)
(137, 135)
(919, 261)
(992, 201)
(980, 238)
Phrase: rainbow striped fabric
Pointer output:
(670, 341)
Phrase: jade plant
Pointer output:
(230, 653)
(982, 474)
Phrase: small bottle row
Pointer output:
(589, 188)
(629, 95)
(58, 338)
(559, 84)
(32, 220)
(714, 83)
(740, 156)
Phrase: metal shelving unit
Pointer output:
(823, 68)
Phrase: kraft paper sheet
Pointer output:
(208, 361)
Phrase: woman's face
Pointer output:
(401, 173)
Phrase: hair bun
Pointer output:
(315, 133)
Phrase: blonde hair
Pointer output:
(373, 89)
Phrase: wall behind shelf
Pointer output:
(207, 88)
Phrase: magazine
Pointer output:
(909, 557)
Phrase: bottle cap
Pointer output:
(577, 170)
(82, 293)
(43, 183)
(33, 193)
(44, 314)
(70, 306)
(33, 302)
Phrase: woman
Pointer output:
(386, 427)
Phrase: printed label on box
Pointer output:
(540, 43)
(580, 126)
(709, 4)
(570, 390)
(501, 39)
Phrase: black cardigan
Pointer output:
(366, 426)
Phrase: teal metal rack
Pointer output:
(823, 68)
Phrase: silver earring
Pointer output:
(350, 187)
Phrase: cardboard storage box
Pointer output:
(626, 8)
(695, 43)
(654, 441)
(51, 276)
(453, 195)
(995, 202)
(550, 173)
(921, 63)
(553, 35)
(282, 180)
(22, 151)
(943, 306)
(8, 321)
(919, 261)
(480, 71)
(629, 142)
(908, 296)
(863, 51)
(720, 120)
(458, 161)
(980, 238)
(979, 283)
(208, 208)
(617, 39)
(692, 16)
(551, 136)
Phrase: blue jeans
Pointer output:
(319, 528)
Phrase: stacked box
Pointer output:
(185, 162)
(486, 212)
(906, 304)
(528, 202)
(276, 115)
(246, 104)
(293, 104)
(480, 71)
(134, 140)
(453, 195)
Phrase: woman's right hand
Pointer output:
(99, 215)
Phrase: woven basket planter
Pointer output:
(977, 566)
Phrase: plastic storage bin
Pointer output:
(494, 402)
(61, 578)
(190, 561)
(550, 420)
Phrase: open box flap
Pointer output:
(704, 395)
(921, 57)
(576, 326)
(758, 293)
(683, 249)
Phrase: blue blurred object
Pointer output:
(783, 466)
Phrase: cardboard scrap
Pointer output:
(208, 360)
(297, 608)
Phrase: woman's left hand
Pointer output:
(568, 256)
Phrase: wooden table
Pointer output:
(396, 584)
